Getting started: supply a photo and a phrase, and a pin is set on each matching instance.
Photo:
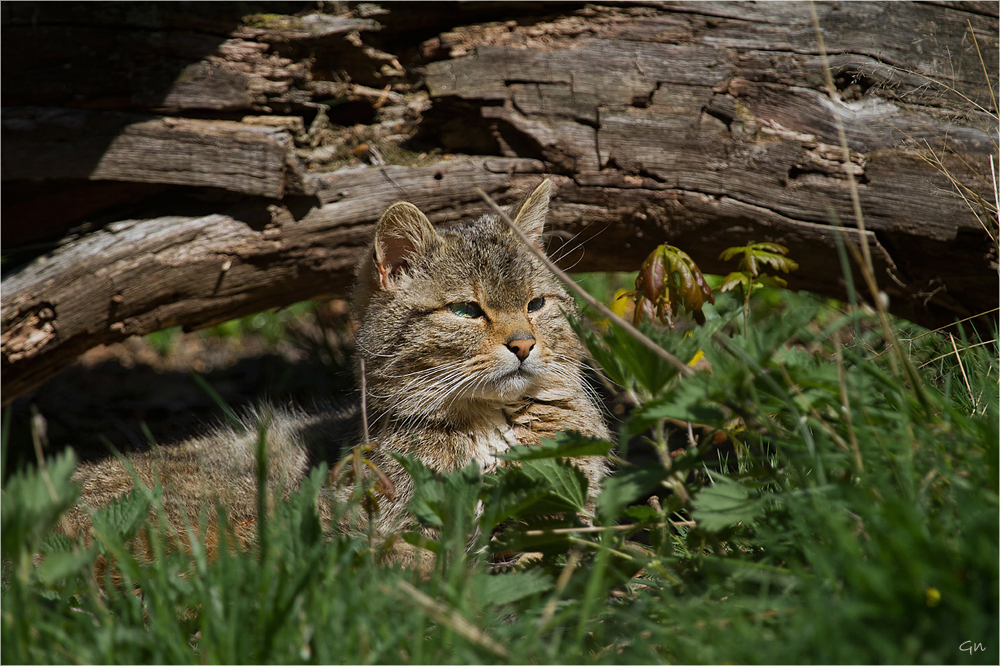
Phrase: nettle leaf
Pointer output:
(510, 494)
(532, 488)
(608, 360)
(566, 484)
(543, 533)
(506, 588)
(58, 566)
(692, 400)
(56, 542)
(642, 514)
(641, 365)
(443, 499)
(567, 444)
(427, 492)
(725, 503)
(29, 510)
(122, 517)
(625, 487)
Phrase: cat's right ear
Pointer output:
(529, 215)
(403, 233)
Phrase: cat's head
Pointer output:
(460, 317)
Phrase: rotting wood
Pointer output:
(138, 276)
(704, 125)
(108, 146)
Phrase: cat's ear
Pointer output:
(529, 215)
(403, 233)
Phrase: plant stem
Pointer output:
(679, 365)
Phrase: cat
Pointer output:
(464, 351)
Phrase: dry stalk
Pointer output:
(448, 617)
(866, 265)
(677, 364)
(550, 608)
(961, 366)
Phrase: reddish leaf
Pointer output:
(650, 280)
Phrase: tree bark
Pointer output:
(219, 163)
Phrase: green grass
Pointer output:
(270, 325)
(850, 514)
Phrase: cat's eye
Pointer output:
(468, 309)
(535, 304)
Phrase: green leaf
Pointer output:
(121, 518)
(441, 500)
(733, 280)
(725, 503)
(541, 533)
(510, 494)
(640, 365)
(731, 252)
(772, 281)
(608, 360)
(642, 514)
(58, 566)
(566, 445)
(566, 484)
(765, 247)
(33, 501)
(420, 541)
(783, 264)
(501, 589)
(625, 487)
(692, 401)
(533, 488)
(771, 254)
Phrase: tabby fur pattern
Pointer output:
(466, 351)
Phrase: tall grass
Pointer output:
(825, 509)
(824, 490)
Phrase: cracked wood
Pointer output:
(212, 186)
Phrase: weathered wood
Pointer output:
(71, 144)
(704, 125)
(719, 101)
(158, 56)
(138, 276)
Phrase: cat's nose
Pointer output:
(521, 347)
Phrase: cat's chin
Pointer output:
(510, 388)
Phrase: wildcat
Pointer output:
(464, 350)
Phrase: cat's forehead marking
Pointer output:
(465, 228)
(484, 258)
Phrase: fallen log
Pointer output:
(704, 125)
(110, 146)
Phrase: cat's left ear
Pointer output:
(403, 234)
(529, 215)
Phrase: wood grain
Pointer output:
(272, 144)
